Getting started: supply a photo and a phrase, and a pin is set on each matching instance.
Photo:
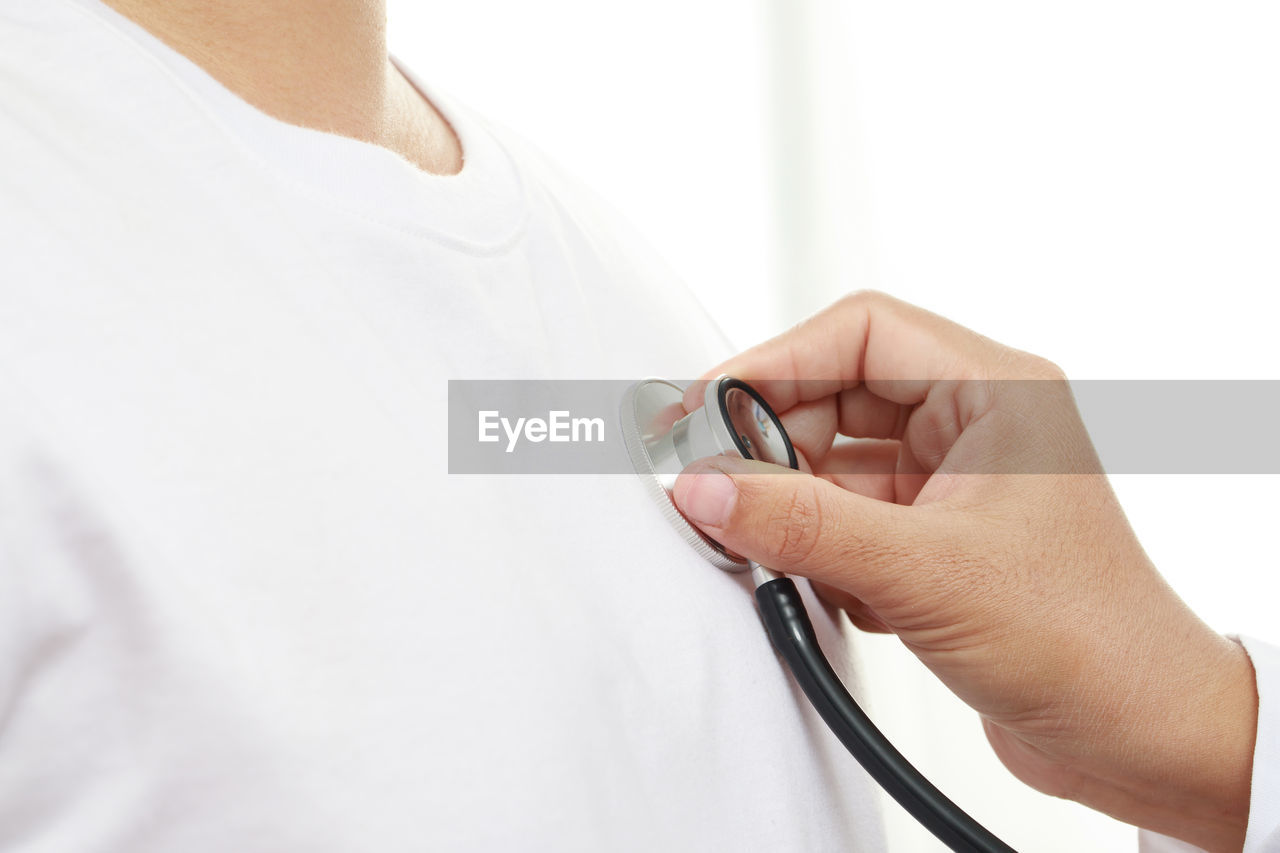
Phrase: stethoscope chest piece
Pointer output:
(662, 439)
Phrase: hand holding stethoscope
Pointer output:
(972, 519)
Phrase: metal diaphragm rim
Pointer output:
(641, 405)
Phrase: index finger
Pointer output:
(897, 349)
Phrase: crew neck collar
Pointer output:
(481, 208)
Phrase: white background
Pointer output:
(1097, 182)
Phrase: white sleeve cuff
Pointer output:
(1154, 842)
(1264, 799)
(1263, 835)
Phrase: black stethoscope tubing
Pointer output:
(787, 623)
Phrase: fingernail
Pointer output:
(706, 495)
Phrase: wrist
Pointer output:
(1184, 758)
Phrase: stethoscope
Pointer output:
(735, 420)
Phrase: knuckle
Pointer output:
(865, 298)
(1018, 364)
(1043, 368)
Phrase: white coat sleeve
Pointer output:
(1264, 800)
(1263, 834)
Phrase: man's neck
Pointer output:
(321, 64)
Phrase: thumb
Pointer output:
(796, 523)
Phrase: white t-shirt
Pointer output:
(243, 604)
